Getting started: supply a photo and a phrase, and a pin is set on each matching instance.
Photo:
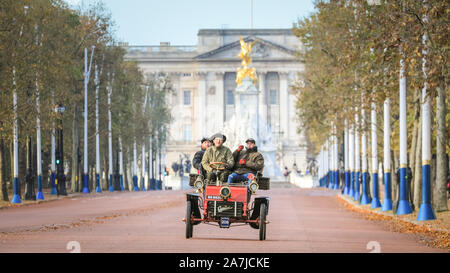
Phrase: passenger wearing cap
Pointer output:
(197, 160)
(247, 163)
(218, 153)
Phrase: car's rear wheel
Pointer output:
(189, 226)
(262, 222)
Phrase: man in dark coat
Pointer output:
(247, 163)
(197, 160)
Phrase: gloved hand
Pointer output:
(228, 167)
(240, 148)
(242, 161)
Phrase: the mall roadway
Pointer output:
(301, 220)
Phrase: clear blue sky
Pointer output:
(149, 22)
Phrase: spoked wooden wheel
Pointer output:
(262, 222)
(189, 226)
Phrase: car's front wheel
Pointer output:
(262, 222)
(189, 226)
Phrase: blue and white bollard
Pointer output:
(111, 187)
(351, 160)
(122, 188)
(426, 210)
(387, 202)
(86, 187)
(346, 158)
(39, 194)
(16, 197)
(375, 198)
(143, 184)
(347, 183)
(336, 162)
(365, 200)
(336, 180)
(357, 156)
(53, 190)
(352, 184)
(97, 183)
(135, 183)
(356, 194)
(403, 206)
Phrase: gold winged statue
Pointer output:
(245, 71)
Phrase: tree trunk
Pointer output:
(433, 180)
(441, 143)
(75, 145)
(413, 150)
(417, 193)
(125, 170)
(7, 162)
(106, 172)
(3, 187)
(395, 182)
(130, 175)
(370, 184)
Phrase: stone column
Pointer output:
(177, 104)
(291, 112)
(220, 96)
(262, 100)
(284, 105)
(200, 105)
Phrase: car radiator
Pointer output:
(225, 208)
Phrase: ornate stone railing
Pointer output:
(158, 48)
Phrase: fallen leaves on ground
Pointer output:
(431, 236)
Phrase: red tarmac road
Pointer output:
(301, 220)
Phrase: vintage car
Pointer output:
(227, 204)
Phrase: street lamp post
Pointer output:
(373, 116)
(351, 160)
(426, 210)
(151, 178)
(356, 193)
(346, 155)
(29, 179)
(86, 80)
(97, 135)
(60, 180)
(16, 197)
(110, 152)
(403, 206)
(53, 165)
(364, 169)
(387, 203)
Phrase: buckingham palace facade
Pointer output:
(203, 77)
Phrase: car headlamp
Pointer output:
(253, 187)
(198, 184)
(225, 192)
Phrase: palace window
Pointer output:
(273, 96)
(229, 85)
(229, 97)
(273, 88)
(187, 133)
(187, 98)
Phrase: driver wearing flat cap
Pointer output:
(218, 153)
